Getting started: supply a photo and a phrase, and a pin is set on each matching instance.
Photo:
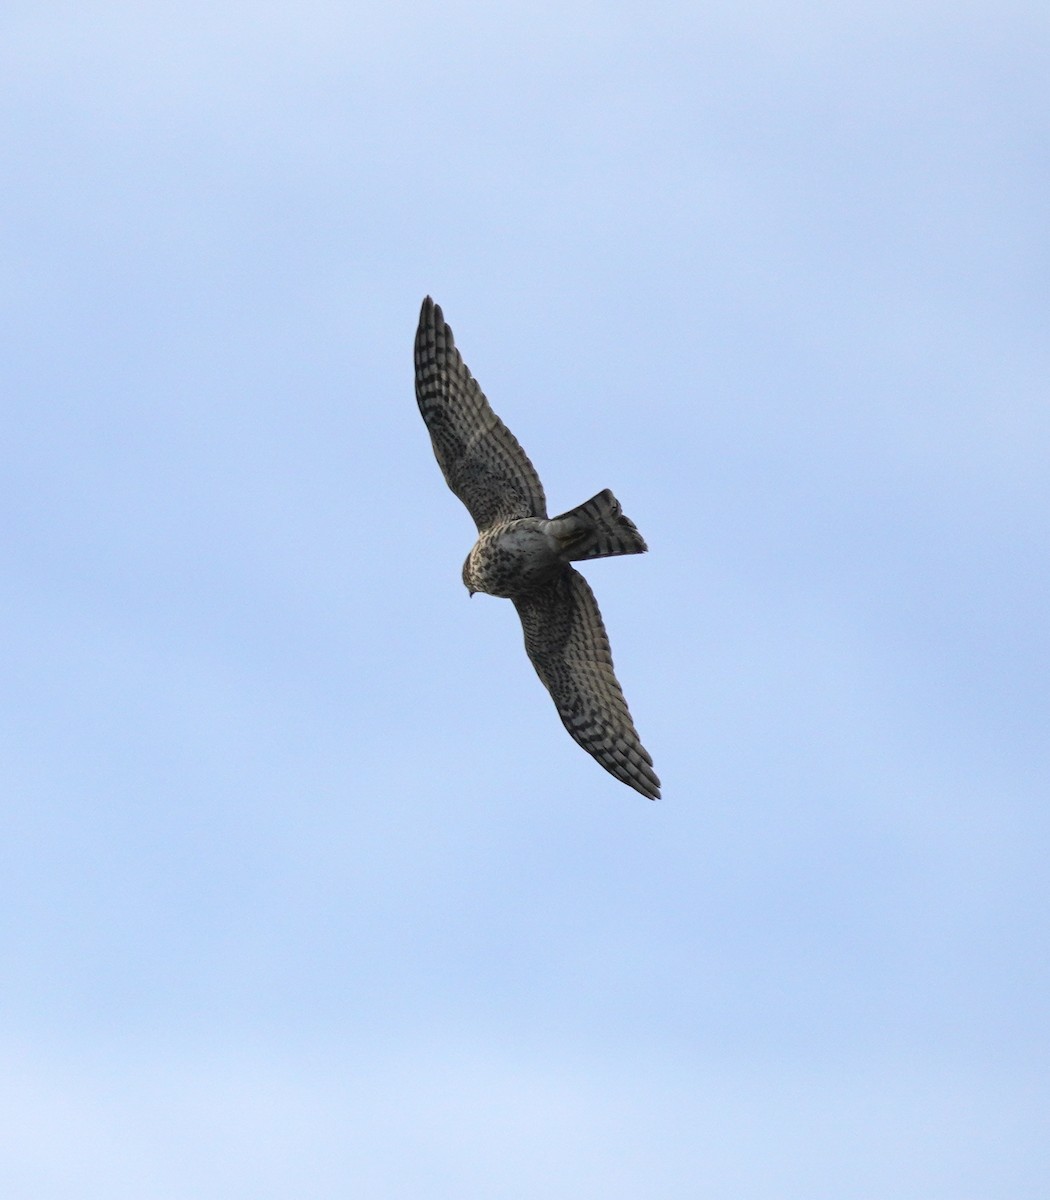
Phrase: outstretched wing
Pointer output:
(479, 456)
(569, 648)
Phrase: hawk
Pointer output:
(523, 554)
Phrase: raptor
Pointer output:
(523, 554)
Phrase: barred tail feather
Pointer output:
(597, 529)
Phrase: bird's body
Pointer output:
(524, 555)
(512, 557)
(520, 555)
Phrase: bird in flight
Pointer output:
(523, 554)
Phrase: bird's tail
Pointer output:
(597, 529)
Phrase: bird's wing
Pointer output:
(479, 456)
(569, 648)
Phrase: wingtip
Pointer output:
(648, 782)
(637, 773)
(430, 314)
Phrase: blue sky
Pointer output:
(305, 890)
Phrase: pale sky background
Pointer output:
(305, 892)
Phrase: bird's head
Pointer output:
(468, 574)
